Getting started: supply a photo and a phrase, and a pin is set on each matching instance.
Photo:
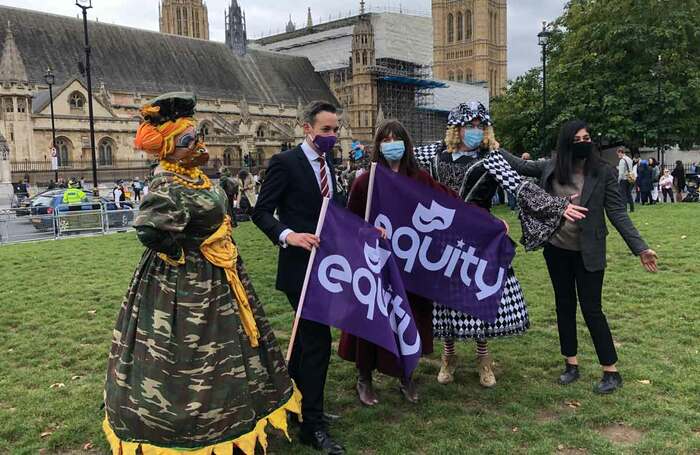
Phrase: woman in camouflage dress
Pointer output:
(194, 364)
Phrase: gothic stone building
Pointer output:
(184, 18)
(248, 104)
(381, 65)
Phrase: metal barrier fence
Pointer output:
(19, 225)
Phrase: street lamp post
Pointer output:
(50, 80)
(543, 40)
(86, 5)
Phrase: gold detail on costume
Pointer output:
(194, 174)
(221, 252)
(170, 261)
(149, 110)
(246, 443)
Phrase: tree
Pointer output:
(602, 67)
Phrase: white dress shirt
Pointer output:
(312, 156)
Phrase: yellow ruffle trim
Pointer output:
(246, 443)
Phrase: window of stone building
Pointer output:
(450, 28)
(364, 58)
(469, 75)
(460, 76)
(179, 21)
(76, 100)
(21, 105)
(64, 147)
(460, 27)
(450, 76)
(106, 151)
(205, 129)
(228, 156)
(9, 107)
(260, 132)
(468, 25)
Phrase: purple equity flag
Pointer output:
(355, 285)
(454, 253)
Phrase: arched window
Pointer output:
(260, 132)
(228, 156)
(364, 58)
(9, 105)
(206, 129)
(468, 25)
(450, 76)
(76, 101)
(460, 27)
(64, 148)
(106, 149)
(469, 76)
(450, 28)
(460, 76)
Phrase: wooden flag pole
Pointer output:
(295, 327)
(370, 190)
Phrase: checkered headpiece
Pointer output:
(463, 114)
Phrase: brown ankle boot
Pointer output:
(365, 391)
(486, 376)
(447, 369)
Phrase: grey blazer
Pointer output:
(601, 196)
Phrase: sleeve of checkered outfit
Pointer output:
(505, 175)
(424, 155)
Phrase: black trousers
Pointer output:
(309, 366)
(646, 197)
(667, 192)
(569, 278)
(626, 191)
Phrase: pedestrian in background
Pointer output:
(679, 180)
(645, 182)
(136, 186)
(666, 184)
(626, 177)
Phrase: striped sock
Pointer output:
(449, 348)
(482, 348)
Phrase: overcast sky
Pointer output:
(263, 16)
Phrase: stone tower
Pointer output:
(364, 105)
(184, 17)
(236, 35)
(16, 102)
(470, 41)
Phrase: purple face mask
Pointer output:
(324, 144)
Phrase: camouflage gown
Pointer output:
(181, 371)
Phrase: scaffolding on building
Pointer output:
(405, 92)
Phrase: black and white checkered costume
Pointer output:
(512, 316)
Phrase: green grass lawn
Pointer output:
(59, 302)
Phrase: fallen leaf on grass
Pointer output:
(93, 312)
(46, 434)
(88, 446)
(683, 237)
(10, 350)
(573, 404)
(58, 385)
(644, 381)
(560, 447)
(75, 378)
(515, 429)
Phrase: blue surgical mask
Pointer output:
(473, 137)
(393, 151)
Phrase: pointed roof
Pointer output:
(11, 63)
(309, 21)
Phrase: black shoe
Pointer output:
(611, 381)
(569, 375)
(321, 441)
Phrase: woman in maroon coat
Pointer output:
(393, 148)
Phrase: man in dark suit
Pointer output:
(295, 184)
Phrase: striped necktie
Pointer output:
(325, 191)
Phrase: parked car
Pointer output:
(48, 208)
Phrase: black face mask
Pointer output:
(582, 150)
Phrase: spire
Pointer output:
(236, 34)
(362, 6)
(11, 64)
(290, 25)
(309, 21)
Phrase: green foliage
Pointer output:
(602, 67)
(60, 299)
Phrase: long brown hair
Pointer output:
(392, 127)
